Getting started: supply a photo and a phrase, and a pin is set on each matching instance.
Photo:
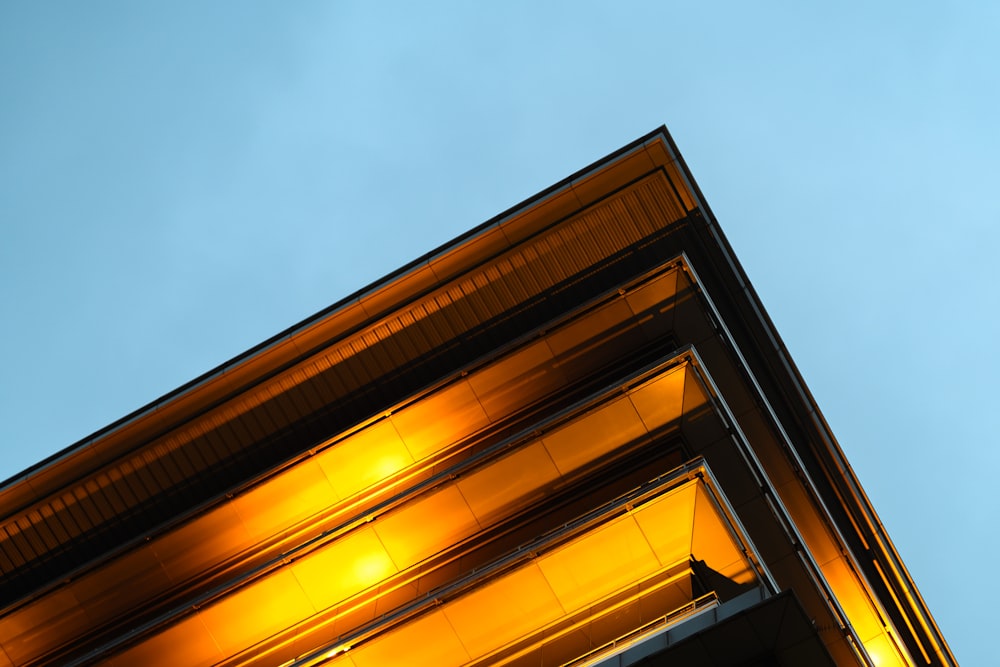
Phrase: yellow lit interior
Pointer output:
(523, 603)
(338, 479)
(431, 523)
(848, 588)
(864, 616)
(395, 538)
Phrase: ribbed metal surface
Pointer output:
(453, 325)
(506, 390)
(412, 359)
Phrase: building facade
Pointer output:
(570, 436)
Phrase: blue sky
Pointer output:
(179, 181)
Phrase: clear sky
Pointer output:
(179, 181)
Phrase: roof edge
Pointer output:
(660, 134)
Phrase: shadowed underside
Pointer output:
(571, 435)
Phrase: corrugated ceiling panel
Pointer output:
(262, 415)
(527, 271)
(401, 348)
(431, 523)
(77, 517)
(528, 283)
(666, 201)
(307, 398)
(53, 522)
(25, 539)
(39, 537)
(326, 387)
(6, 559)
(214, 446)
(633, 208)
(291, 409)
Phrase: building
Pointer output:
(570, 436)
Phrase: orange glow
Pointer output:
(883, 652)
(520, 605)
(432, 523)
(364, 458)
(440, 420)
(188, 641)
(851, 592)
(366, 556)
(260, 609)
(343, 568)
(490, 402)
(371, 568)
(352, 464)
(386, 466)
(295, 494)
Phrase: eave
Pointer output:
(267, 381)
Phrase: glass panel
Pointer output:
(598, 563)
(853, 598)
(426, 527)
(378, 452)
(364, 458)
(884, 653)
(515, 605)
(295, 494)
(694, 395)
(516, 380)
(514, 480)
(588, 331)
(105, 591)
(186, 643)
(440, 419)
(668, 525)
(822, 546)
(349, 565)
(591, 585)
(656, 296)
(661, 400)
(256, 611)
(429, 641)
(194, 546)
(524, 603)
(26, 633)
(598, 432)
(714, 543)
